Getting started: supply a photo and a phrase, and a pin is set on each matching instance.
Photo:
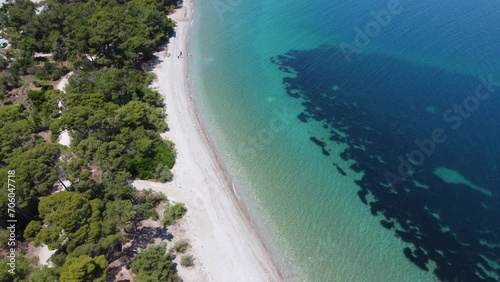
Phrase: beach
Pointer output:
(224, 244)
(250, 141)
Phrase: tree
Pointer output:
(133, 114)
(90, 249)
(65, 215)
(174, 213)
(146, 202)
(116, 187)
(49, 71)
(11, 113)
(59, 209)
(26, 269)
(43, 274)
(119, 85)
(32, 230)
(78, 172)
(83, 269)
(122, 35)
(150, 156)
(76, 30)
(20, 14)
(36, 167)
(112, 156)
(154, 264)
(23, 62)
(9, 81)
(15, 136)
(23, 269)
(114, 120)
(36, 173)
(44, 108)
(116, 216)
(163, 173)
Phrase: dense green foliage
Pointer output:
(44, 108)
(112, 116)
(8, 81)
(83, 33)
(72, 223)
(36, 172)
(154, 264)
(114, 120)
(26, 270)
(174, 213)
(112, 33)
(84, 268)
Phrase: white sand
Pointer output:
(42, 252)
(64, 138)
(64, 81)
(224, 245)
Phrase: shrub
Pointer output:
(178, 210)
(90, 249)
(167, 220)
(165, 153)
(150, 196)
(39, 83)
(49, 71)
(9, 81)
(187, 261)
(181, 247)
(174, 213)
(154, 264)
(163, 173)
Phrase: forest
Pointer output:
(114, 120)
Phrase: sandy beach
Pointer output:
(224, 245)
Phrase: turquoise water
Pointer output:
(310, 136)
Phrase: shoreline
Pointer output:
(225, 244)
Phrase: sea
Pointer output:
(362, 136)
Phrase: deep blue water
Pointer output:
(440, 195)
(391, 104)
(395, 103)
(386, 114)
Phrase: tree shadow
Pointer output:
(111, 273)
(140, 238)
(159, 56)
(151, 64)
(148, 235)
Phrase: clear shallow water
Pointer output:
(314, 140)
